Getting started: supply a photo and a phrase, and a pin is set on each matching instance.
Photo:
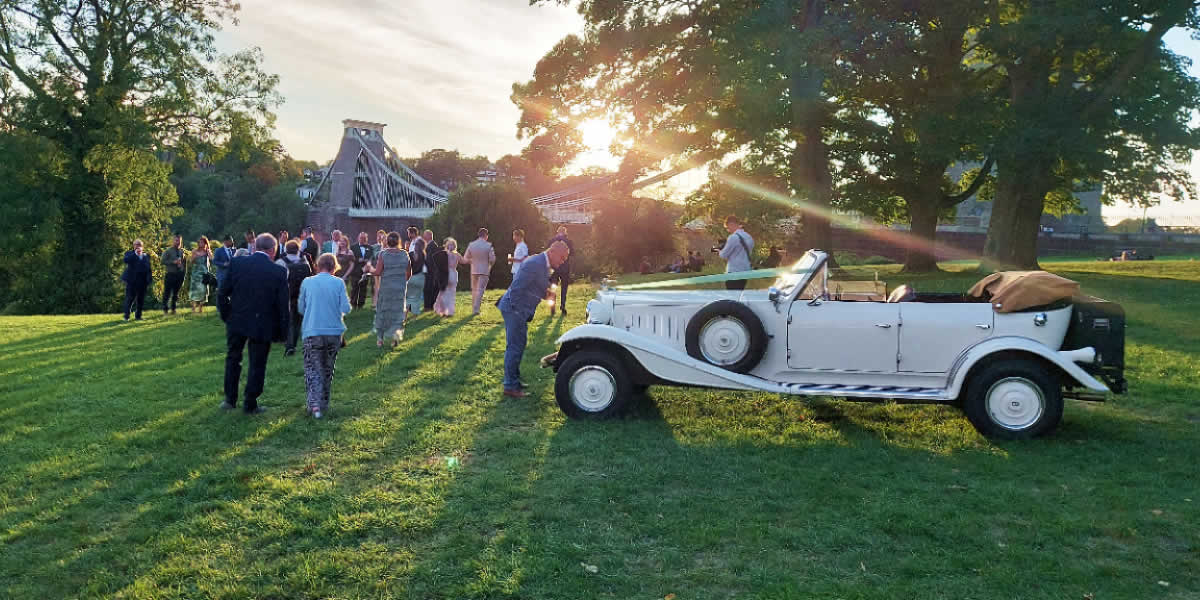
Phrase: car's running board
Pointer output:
(865, 392)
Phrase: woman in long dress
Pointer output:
(444, 305)
(393, 269)
(197, 288)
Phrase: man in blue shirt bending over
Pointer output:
(518, 305)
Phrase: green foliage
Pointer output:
(34, 172)
(755, 194)
(110, 83)
(501, 208)
(625, 229)
(447, 169)
(1104, 103)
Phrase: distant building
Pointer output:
(973, 214)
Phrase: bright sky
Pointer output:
(438, 72)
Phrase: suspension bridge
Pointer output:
(368, 187)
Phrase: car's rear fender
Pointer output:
(1006, 347)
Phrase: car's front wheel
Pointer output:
(1014, 399)
(592, 384)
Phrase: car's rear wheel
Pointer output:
(593, 385)
(1014, 399)
(726, 334)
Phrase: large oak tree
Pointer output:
(108, 82)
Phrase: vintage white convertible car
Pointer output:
(1009, 371)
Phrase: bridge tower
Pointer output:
(369, 188)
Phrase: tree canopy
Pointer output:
(109, 85)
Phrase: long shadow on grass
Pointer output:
(399, 454)
(727, 503)
(138, 479)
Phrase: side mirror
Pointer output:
(773, 294)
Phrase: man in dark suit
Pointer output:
(364, 255)
(253, 302)
(137, 278)
(433, 276)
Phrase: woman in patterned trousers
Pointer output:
(323, 302)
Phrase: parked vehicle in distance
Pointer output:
(1009, 371)
(1128, 254)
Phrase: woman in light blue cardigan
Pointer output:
(323, 302)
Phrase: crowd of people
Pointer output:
(275, 289)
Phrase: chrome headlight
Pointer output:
(599, 312)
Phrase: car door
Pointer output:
(844, 336)
(933, 335)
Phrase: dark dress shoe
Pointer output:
(258, 410)
(515, 393)
(227, 405)
(289, 352)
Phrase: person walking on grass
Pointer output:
(482, 255)
(298, 270)
(253, 303)
(444, 303)
(136, 276)
(737, 251)
(518, 306)
(324, 303)
(173, 261)
(198, 280)
(392, 269)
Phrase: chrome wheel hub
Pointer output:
(1015, 403)
(724, 341)
(593, 388)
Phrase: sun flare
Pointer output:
(597, 134)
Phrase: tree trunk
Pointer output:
(810, 177)
(1021, 190)
(923, 219)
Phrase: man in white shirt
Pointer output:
(482, 255)
(520, 253)
(736, 251)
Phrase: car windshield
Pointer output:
(786, 284)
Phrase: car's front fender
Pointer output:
(991, 347)
(661, 361)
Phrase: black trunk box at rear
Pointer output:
(1099, 324)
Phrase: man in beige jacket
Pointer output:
(482, 256)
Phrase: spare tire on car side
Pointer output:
(726, 334)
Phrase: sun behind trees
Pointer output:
(865, 107)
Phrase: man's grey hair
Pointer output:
(561, 246)
(265, 242)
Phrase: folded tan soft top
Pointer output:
(1011, 291)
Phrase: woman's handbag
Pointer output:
(209, 279)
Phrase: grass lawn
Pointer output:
(121, 478)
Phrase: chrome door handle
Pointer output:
(983, 326)
(884, 325)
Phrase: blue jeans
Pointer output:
(516, 333)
